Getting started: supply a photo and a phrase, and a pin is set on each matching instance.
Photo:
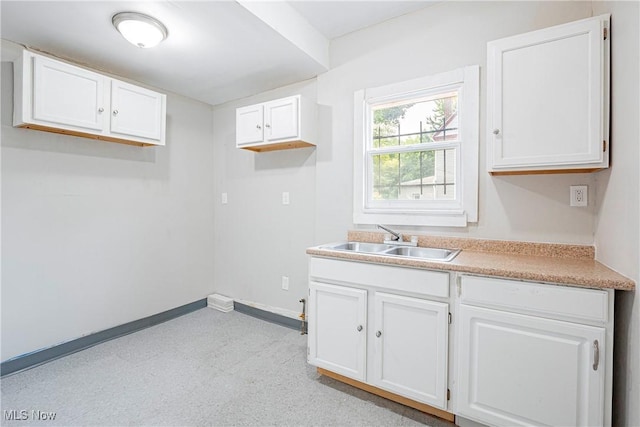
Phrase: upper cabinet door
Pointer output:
(249, 124)
(282, 119)
(137, 112)
(67, 95)
(548, 98)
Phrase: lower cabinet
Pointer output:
(410, 347)
(522, 353)
(530, 369)
(337, 334)
(395, 342)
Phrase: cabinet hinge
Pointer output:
(605, 33)
(448, 394)
(450, 318)
(604, 146)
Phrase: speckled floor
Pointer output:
(205, 368)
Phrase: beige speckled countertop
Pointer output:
(541, 262)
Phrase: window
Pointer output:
(416, 159)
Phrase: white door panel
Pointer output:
(338, 329)
(411, 339)
(524, 370)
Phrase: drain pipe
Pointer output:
(303, 317)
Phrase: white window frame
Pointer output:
(450, 213)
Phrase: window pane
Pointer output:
(418, 122)
(420, 175)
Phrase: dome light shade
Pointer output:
(138, 29)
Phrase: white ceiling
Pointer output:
(335, 18)
(216, 50)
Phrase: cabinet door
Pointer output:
(249, 124)
(281, 119)
(338, 329)
(547, 95)
(137, 112)
(411, 341)
(517, 370)
(67, 96)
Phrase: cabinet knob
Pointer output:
(258, 127)
(359, 328)
(115, 112)
(496, 131)
(267, 125)
(100, 110)
(378, 334)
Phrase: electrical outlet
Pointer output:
(285, 283)
(224, 198)
(285, 197)
(579, 195)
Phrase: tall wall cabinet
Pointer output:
(548, 99)
(55, 96)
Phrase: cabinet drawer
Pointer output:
(574, 304)
(425, 282)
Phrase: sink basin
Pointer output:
(360, 247)
(435, 254)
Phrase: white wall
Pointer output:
(617, 231)
(440, 38)
(97, 234)
(258, 239)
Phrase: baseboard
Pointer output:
(36, 358)
(269, 316)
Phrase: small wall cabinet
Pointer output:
(533, 354)
(548, 100)
(276, 125)
(54, 96)
(395, 340)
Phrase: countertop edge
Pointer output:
(615, 281)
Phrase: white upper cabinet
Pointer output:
(548, 100)
(276, 125)
(54, 96)
(282, 121)
(136, 111)
(250, 125)
(67, 95)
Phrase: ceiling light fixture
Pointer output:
(140, 30)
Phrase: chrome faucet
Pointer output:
(396, 236)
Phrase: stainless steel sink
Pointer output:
(360, 247)
(435, 254)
